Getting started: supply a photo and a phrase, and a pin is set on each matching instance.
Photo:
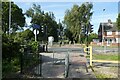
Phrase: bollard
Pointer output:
(40, 65)
(53, 57)
(21, 63)
(89, 50)
(66, 65)
(90, 55)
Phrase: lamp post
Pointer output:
(9, 16)
(46, 39)
(102, 31)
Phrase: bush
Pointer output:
(34, 46)
(10, 49)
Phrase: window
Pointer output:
(105, 39)
(110, 40)
(117, 33)
(118, 40)
(109, 33)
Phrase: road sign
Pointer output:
(36, 32)
(35, 26)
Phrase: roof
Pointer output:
(108, 27)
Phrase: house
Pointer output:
(96, 40)
(108, 34)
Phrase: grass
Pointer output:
(110, 56)
(106, 56)
(102, 76)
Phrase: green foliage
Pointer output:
(77, 16)
(34, 46)
(43, 19)
(10, 48)
(92, 36)
(103, 76)
(10, 67)
(30, 60)
(11, 52)
(118, 21)
(106, 56)
(17, 17)
(68, 34)
(26, 35)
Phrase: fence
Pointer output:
(29, 61)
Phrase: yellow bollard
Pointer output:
(90, 55)
(85, 49)
(90, 51)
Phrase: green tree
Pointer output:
(17, 17)
(27, 35)
(118, 21)
(43, 19)
(77, 16)
(10, 49)
(92, 36)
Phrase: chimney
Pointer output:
(109, 21)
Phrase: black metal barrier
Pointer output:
(66, 65)
(30, 60)
(41, 48)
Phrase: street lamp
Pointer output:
(102, 31)
(9, 16)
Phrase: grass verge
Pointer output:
(108, 56)
(101, 76)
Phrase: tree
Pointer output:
(27, 35)
(92, 36)
(10, 49)
(47, 20)
(76, 17)
(118, 22)
(17, 17)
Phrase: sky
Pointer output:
(59, 8)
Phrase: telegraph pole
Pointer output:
(102, 31)
(9, 16)
(59, 37)
(46, 39)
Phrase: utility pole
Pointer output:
(59, 34)
(102, 31)
(46, 39)
(9, 16)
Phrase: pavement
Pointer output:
(55, 68)
(79, 67)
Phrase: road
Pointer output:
(64, 49)
(80, 49)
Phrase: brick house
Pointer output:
(108, 34)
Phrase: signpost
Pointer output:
(35, 26)
(36, 32)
